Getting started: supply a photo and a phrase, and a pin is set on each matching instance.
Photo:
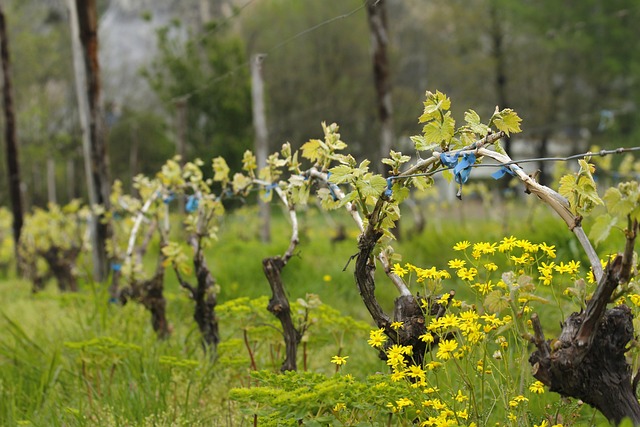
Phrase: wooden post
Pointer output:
(262, 138)
(377, 16)
(10, 135)
(499, 56)
(134, 154)
(181, 128)
(51, 180)
(71, 178)
(83, 21)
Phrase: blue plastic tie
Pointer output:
(389, 192)
(449, 160)
(116, 266)
(192, 204)
(168, 198)
(333, 194)
(269, 188)
(502, 172)
(462, 170)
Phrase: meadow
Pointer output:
(75, 359)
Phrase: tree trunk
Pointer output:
(10, 136)
(62, 265)
(377, 16)
(279, 307)
(51, 180)
(134, 155)
(206, 300)
(83, 19)
(587, 361)
(71, 179)
(557, 85)
(150, 293)
(262, 138)
(407, 308)
(499, 57)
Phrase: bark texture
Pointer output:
(377, 16)
(150, 293)
(279, 307)
(205, 298)
(587, 361)
(89, 96)
(62, 264)
(11, 135)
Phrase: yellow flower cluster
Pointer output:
(475, 339)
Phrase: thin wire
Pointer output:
(272, 49)
(600, 153)
(317, 26)
(221, 24)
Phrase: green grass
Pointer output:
(76, 360)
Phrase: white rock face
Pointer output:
(127, 37)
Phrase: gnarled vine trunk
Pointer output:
(587, 361)
(279, 307)
(62, 264)
(407, 308)
(206, 300)
(150, 293)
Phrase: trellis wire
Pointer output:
(600, 153)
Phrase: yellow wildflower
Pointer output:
(433, 365)
(461, 397)
(398, 375)
(506, 244)
(484, 288)
(573, 266)
(339, 360)
(456, 263)
(467, 273)
(490, 266)
(339, 407)
(461, 246)
(398, 270)
(444, 299)
(428, 338)
(517, 400)
(549, 250)
(546, 269)
(485, 248)
(537, 387)
(416, 372)
(396, 325)
(635, 299)
(462, 414)
(563, 268)
(525, 258)
(445, 349)
(377, 338)
(525, 244)
(402, 402)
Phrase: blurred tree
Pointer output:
(83, 17)
(317, 68)
(380, 40)
(43, 90)
(139, 143)
(209, 72)
(10, 134)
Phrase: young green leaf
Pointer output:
(507, 121)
